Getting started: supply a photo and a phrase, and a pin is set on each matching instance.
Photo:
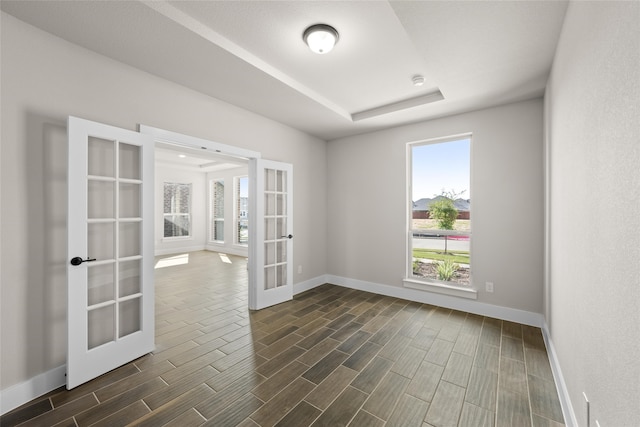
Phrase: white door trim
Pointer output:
(195, 142)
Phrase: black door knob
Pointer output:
(78, 260)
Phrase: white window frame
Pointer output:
(429, 284)
(189, 214)
(236, 209)
(213, 219)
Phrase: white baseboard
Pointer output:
(239, 251)
(563, 393)
(180, 250)
(309, 284)
(26, 391)
(446, 301)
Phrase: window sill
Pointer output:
(441, 288)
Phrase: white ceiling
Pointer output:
(251, 54)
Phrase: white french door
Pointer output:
(110, 249)
(271, 238)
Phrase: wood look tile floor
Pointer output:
(331, 357)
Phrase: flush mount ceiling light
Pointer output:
(320, 38)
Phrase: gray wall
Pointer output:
(367, 202)
(593, 144)
(45, 79)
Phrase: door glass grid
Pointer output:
(275, 226)
(114, 239)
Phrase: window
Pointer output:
(440, 214)
(177, 210)
(216, 210)
(242, 210)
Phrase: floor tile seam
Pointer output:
(420, 398)
(280, 352)
(192, 349)
(466, 389)
(27, 406)
(374, 416)
(141, 399)
(53, 407)
(111, 413)
(204, 419)
(526, 375)
(498, 378)
(216, 393)
(281, 390)
(360, 408)
(461, 406)
(290, 409)
(404, 390)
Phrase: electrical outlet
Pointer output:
(488, 286)
(299, 269)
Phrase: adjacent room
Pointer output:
(362, 213)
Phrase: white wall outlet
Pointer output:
(488, 286)
(299, 269)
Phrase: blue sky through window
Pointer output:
(442, 165)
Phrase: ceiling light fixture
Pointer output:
(417, 80)
(182, 156)
(320, 38)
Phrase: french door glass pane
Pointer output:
(282, 252)
(100, 237)
(100, 279)
(129, 205)
(101, 199)
(269, 180)
(269, 229)
(129, 278)
(281, 271)
(129, 165)
(269, 204)
(101, 326)
(101, 157)
(129, 316)
(130, 235)
(269, 253)
(281, 227)
(281, 204)
(270, 277)
(281, 181)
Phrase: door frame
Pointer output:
(182, 140)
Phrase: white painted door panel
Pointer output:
(110, 291)
(271, 228)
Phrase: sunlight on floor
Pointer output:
(225, 258)
(173, 261)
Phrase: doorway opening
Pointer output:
(205, 196)
(270, 215)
